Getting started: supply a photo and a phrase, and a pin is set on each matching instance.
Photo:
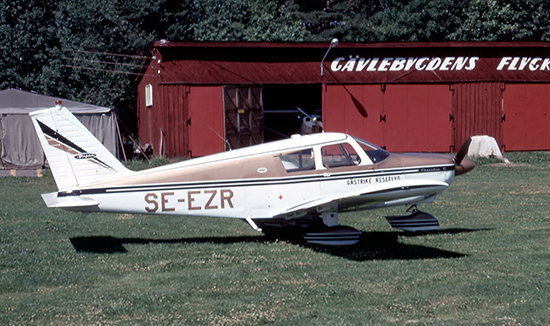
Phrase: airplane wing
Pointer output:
(378, 193)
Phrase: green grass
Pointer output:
(488, 264)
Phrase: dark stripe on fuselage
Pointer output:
(260, 182)
(63, 140)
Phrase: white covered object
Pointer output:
(485, 146)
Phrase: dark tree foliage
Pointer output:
(243, 20)
(27, 31)
(91, 51)
(88, 32)
(338, 18)
(423, 20)
(503, 21)
(415, 21)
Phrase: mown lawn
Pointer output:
(488, 264)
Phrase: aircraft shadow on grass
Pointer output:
(372, 246)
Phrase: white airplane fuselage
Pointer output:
(316, 175)
(241, 185)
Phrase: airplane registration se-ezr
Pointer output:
(299, 183)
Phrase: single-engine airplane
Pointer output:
(300, 183)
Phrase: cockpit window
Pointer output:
(341, 154)
(298, 161)
(375, 153)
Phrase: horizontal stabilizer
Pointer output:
(52, 200)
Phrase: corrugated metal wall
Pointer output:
(477, 110)
(183, 121)
(431, 98)
(172, 134)
(419, 117)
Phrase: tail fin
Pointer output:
(75, 156)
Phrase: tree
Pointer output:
(244, 20)
(59, 47)
(86, 32)
(27, 29)
(327, 19)
(494, 20)
(424, 20)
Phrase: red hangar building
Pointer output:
(198, 98)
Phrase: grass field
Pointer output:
(488, 264)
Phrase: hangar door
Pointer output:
(244, 116)
(401, 118)
(204, 123)
(526, 117)
(354, 109)
(417, 118)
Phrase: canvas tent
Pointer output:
(18, 140)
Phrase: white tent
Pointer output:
(18, 140)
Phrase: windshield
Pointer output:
(375, 153)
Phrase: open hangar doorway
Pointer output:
(281, 116)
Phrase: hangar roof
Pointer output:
(219, 63)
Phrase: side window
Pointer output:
(339, 155)
(298, 161)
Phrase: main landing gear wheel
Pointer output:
(417, 221)
(321, 230)
(333, 234)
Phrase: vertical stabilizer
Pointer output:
(75, 156)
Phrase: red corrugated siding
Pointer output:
(299, 63)
(183, 120)
(222, 71)
(415, 102)
(477, 110)
(144, 114)
(527, 107)
(171, 134)
(148, 117)
(146, 124)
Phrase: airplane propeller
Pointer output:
(461, 165)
